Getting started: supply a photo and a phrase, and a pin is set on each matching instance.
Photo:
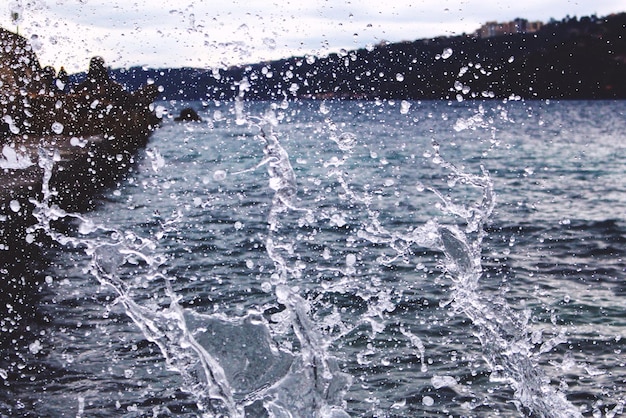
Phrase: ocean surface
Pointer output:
(339, 258)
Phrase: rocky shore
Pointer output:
(93, 130)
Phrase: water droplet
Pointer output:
(350, 260)
(160, 111)
(77, 142)
(15, 206)
(157, 160)
(35, 347)
(57, 128)
(324, 110)
(511, 58)
(345, 141)
(400, 77)
(238, 226)
(428, 401)
(439, 382)
(447, 53)
(337, 220)
(219, 175)
(282, 293)
(270, 43)
(404, 107)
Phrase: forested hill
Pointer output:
(569, 59)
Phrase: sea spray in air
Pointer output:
(339, 268)
(231, 365)
(319, 373)
(503, 333)
(203, 376)
(215, 355)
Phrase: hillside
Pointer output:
(569, 59)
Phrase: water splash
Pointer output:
(320, 369)
(230, 365)
(233, 366)
(503, 332)
(12, 159)
(167, 328)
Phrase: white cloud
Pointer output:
(198, 33)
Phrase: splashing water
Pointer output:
(502, 332)
(167, 327)
(230, 365)
(234, 365)
(321, 370)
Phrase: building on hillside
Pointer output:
(491, 29)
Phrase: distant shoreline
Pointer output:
(572, 59)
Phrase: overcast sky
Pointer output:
(201, 33)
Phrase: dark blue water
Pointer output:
(379, 259)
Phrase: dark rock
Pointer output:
(93, 129)
(188, 115)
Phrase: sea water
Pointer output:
(341, 258)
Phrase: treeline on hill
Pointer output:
(568, 59)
